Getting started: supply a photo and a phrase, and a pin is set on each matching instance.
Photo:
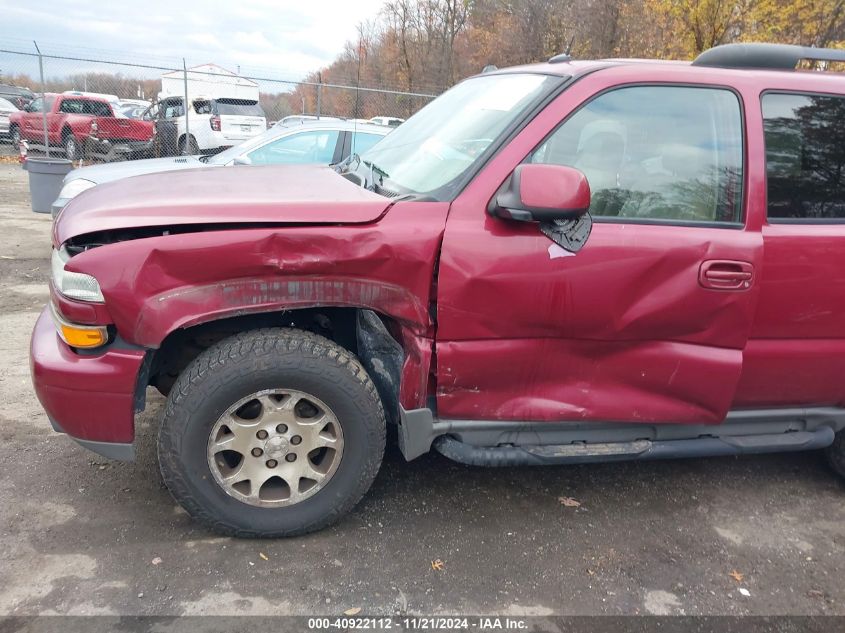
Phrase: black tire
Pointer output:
(244, 364)
(193, 147)
(15, 136)
(71, 145)
(836, 454)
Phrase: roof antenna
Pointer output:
(563, 57)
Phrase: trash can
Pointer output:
(45, 180)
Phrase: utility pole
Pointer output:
(187, 106)
(43, 100)
(319, 92)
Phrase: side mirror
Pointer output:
(242, 160)
(542, 193)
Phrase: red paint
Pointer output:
(90, 397)
(31, 124)
(267, 194)
(622, 331)
(725, 274)
(553, 187)
(82, 312)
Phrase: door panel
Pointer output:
(623, 330)
(620, 331)
(796, 352)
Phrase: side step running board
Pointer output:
(581, 453)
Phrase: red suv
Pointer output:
(559, 263)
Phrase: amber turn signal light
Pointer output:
(81, 336)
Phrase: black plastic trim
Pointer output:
(765, 56)
(419, 428)
(112, 450)
(635, 450)
(695, 224)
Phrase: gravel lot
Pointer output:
(83, 535)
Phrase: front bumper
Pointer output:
(89, 397)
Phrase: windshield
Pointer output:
(443, 140)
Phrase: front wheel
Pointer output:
(189, 146)
(273, 432)
(15, 134)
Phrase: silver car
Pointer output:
(6, 108)
(317, 143)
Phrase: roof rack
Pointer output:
(770, 56)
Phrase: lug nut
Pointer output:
(257, 452)
(282, 428)
(291, 457)
(272, 463)
(261, 435)
(295, 440)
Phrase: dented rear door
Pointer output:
(647, 323)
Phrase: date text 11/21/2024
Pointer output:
(418, 623)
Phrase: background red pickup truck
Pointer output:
(81, 125)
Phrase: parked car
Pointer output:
(81, 124)
(6, 109)
(299, 119)
(562, 263)
(132, 111)
(133, 108)
(390, 121)
(215, 124)
(319, 143)
(20, 97)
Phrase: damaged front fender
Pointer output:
(156, 285)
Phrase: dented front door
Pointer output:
(649, 320)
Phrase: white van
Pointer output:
(213, 124)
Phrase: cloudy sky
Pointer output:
(283, 38)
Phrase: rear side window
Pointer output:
(71, 106)
(173, 109)
(202, 107)
(805, 156)
(664, 153)
(85, 106)
(236, 107)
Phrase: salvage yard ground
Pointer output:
(83, 535)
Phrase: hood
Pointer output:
(239, 196)
(107, 172)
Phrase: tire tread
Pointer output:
(259, 345)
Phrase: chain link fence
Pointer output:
(92, 106)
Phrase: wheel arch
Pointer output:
(378, 340)
(186, 137)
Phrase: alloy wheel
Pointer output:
(274, 448)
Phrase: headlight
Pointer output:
(75, 187)
(73, 285)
